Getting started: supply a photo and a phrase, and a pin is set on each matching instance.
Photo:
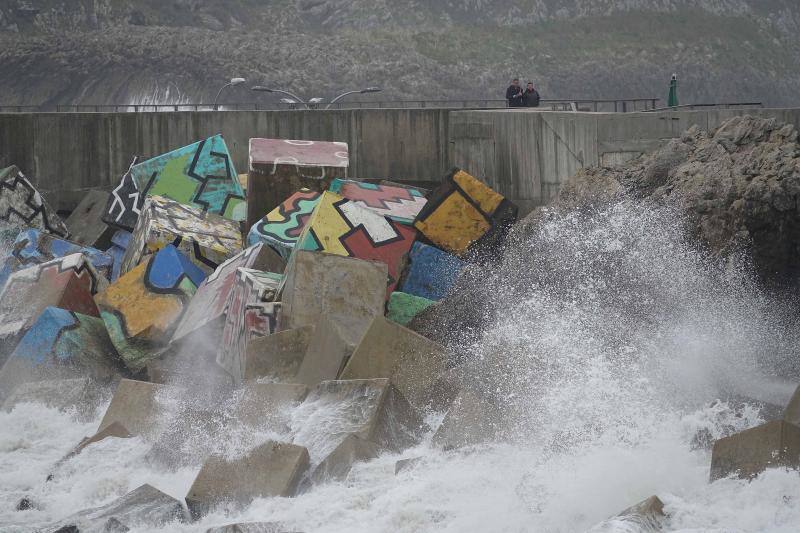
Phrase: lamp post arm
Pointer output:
(291, 95)
(339, 98)
(219, 93)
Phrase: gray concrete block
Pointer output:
(279, 355)
(792, 412)
(406, 464)
(80, 393)
(348, 291)
(249, 527)
(389, 350)
(137, 405)
(325, 356)
(338, 463)
(471, 420)
(272, 469)
(85, 224)
(269, 405)
(750, 452)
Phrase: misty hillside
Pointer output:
(144, 51)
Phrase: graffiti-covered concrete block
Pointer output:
(33, 247)
(404, 307)
(431, 272)
(350, 292)
(463, 211)
(200, 175)
(143, 307)
(21, 205)
(61, 344)
(119, 243)
(750, 452)
(86, 224)
(413, 363)
(282, 226)
(402, 204)
(208, 240)
(341, 227)
(68, 282)
(279, 168)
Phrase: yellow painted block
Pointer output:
(455, 224)
(486, 198)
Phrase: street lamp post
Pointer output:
(314, 102)
(362, 91)
(261, 88)
(234, 81)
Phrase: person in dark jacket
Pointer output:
(530, 98)
(514, 94)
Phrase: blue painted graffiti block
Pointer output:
(431, 272)
(119, 243)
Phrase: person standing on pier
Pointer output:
(530, 98)
(514, 94)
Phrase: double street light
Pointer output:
(312, 103)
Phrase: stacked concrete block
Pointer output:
(792, 412)
(277, 357)
(200, 175)
(21, 205)
(68, 282)
(402, 307)
(282, 226)
(431, 272)
(342, 227)
(268, 405)
(340, 461)
(61, 344)
(413, 363)
(140, 407)
(464, 212)
(402, 204)
(79, 395)
(272, 469)
(750, 452)
(143, 308)
(85, 223)
(325, 356)
(208, 240)
(33, 247)
(279, 168)
(347, 291)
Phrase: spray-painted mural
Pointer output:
(342, 227)
(281, 167)
(208, 240)
(144, 306)
(122, 209)
(282, 226)
(398, 203)
(21, 205)
(119, 243)
(431, 272)
(463, 211)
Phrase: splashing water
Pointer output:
(620, 352)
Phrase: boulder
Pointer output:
(277, 356)
(21, 205)
(269, 405)
(139, 406)
(282, 226)
(342, 227)
(431, 272)
(399, 203)
(338, 463)
(325, 356)
(81, 394)
(388, 350)
(61, 344)
(750, 452)
(792, 412)
(85, 223)
(146, 508)
(464, 213)
(272, 469)
(279, 168)
(143, 307)
(404, 307)
(206, 239)
(349, 292)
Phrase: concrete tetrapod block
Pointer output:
(325, 356)
(146, 508)
(21, 205)
(340, 461)
(138, 405)
(372, 409)
(402, 204)
(61, 344)
(282, 226)
(144, 306)
(272, 469)
(464, 211)
(279, 355)
(431, 272)
(342, 227)
(750, 452)
(62, 394)
(86, 224)
(388, 350)
(404, 307)
(350, 292)
(279, 168)
(207, 240)
(792, 412)
(269, 405)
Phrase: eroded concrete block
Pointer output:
(342, 227)
(388, 350)
(750, 452)
(143, 307)
(404, 307)
(431, 272)
(325, 356)
(21, 205)
(349, 292)
(86, 224)
(402, 204)
(279, 168)
(277, 356)
(282, 226)
(140, 406)
(272, 469)
(340, 461)
(206, 239)
(463, 212)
